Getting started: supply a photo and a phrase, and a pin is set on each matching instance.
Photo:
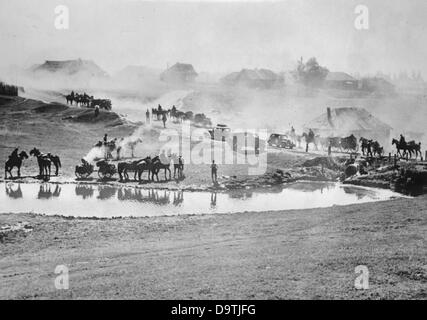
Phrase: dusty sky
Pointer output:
(218, 36)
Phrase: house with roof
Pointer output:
(341, 80)
(344, 121)
(254, 78)
(179, 73)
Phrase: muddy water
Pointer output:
(105, 201)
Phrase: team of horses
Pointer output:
(153, 166)
(44, 161)
(348, 144)
(84, 100)
(406, 149)
(369, 147)
(179, 116)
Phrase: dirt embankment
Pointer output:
(69, 132)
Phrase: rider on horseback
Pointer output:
(85, 163)
(311, 134)
(402, 140)
(14, 154)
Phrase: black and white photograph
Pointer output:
(202, 150)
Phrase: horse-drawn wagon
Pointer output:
(106, 169)
(84, 170)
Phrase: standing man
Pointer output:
(164, 118)
(96, 111)
(214, 169)
(147, 116)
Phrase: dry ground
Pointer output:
(270, 255)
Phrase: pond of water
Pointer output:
(106, 201)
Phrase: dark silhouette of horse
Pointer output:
(414, 147)
(376, 149)
(136, 166)
(69, 99)
(365, 144)
(349, 143)
(43, 161)
(157, 165)
(14, 162)
(400, 146)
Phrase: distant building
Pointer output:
(341, 80)
(71, 67)
(179, 73)
(342, 122)
(256, 78)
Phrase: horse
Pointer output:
(349, 143)
(335, 142)
(15, 162)
(400, 146)
(135, 166)
(365, 144)
(43, 161)
(56, 162)
(157, 165)
(414, 147)
(311, 139)
(377, 149)
(69, 99)
(102, 103)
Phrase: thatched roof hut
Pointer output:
(341, 122)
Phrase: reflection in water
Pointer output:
(213, 200)
(311, 186)
(45, 191)
(360, 193)
(106, 192)
(81, 201)
(158, 197)
(240, 194)
(178, 197)
(13, 193)
(84, 191)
